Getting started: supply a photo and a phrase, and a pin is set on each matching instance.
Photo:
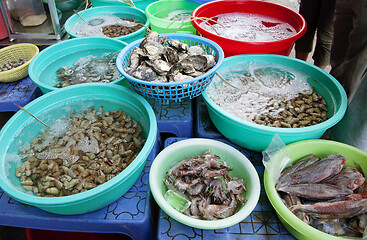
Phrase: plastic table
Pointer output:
(262, 223)
(17, 93)
(174, 117)
(204, 127)
(130, 215)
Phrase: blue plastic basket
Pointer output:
(173, 91)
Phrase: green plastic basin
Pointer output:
(298, 150)
(240, 165)
(157, 11)
(49, 107)
(258, 137)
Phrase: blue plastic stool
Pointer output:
(262, 223)
(174, 117)
(204, 127)
(130, 215)
(17, 93)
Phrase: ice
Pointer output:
(90, 117)
(25, 146)
(87, 145)
(249, 27)
(260, 88)
(59, 127)
(182, 15)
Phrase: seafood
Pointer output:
(117, 30)
(304, 162)
(326, 194)
(316, 191)
(271, 96)
(204, 181)
(88, 69)
(351, 206)
(79, 152)
(291, 200)
(106, 25)
(348, 177)
(12, 64)
(317, 171)
(161, 60)
(336, 227)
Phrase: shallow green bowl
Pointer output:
(242, 168)
(296, 151)
(158, 11)
(49, 107)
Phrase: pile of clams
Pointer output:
(95, 147)
(12, 64)
(87, 70)
(118, 30)
(163, 61)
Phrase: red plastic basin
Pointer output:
(267, 9)
(3, 31)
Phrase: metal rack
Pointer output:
(52, 29)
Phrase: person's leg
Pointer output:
(302, 55)
(324, 37)
(349, 49)
(309, 9)
(343, 24)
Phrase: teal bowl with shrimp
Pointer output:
(257, 137)
(297, 151)
(240, 165)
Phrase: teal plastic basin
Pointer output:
(42, 69)
(157, 11)
(258, 137)
(119, 11)
(296, 151)
(22, 127)
(141, 4)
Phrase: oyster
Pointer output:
(161, 60)
(195, 50)
(144, 73)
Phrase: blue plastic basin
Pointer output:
(258, 137)
(42, 69)
(118, 11)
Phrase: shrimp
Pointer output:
(213, 211)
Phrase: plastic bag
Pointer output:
(276, 158)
